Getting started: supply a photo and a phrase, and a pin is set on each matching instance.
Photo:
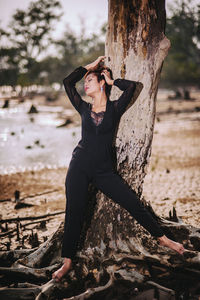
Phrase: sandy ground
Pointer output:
(174, 171)
(172, 180)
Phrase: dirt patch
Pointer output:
(174, 170)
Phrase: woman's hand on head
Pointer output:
(106, 75)
(95, 64)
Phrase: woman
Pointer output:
(92, 157)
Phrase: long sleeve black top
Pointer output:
(96, 140)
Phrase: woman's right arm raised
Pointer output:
(69, 84)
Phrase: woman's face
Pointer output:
(91, 85)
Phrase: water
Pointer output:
(33, 145)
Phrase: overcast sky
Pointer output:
(95, 13)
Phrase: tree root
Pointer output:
(134, 266)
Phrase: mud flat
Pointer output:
(174, 171)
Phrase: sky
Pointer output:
(95, 13)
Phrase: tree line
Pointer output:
(23, 58)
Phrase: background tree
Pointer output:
(29, 35)
(23, 63)
(181, 69)
(76, 50)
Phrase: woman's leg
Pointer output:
(76, 188)
(113, 186)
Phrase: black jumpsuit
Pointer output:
(92, 162)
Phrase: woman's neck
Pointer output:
(99, 100)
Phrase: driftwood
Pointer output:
(24, 235)
(18, 219)
(67, 122)
(20, 205)
(8, 232)
(17, 193)
(7, 258)
(140, 267)
(39, 194)
(5, 200)
(36, 222)
(42, 225)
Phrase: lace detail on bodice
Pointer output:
(97, 117)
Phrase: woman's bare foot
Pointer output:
(164, 241)
(57, 275)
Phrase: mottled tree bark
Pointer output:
(137, 47)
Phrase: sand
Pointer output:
(174, 171)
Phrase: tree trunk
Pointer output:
(114, 250)
(137, 47)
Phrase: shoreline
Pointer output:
(34, 169)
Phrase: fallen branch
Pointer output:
(5, 200)
(89, 292)
(8, 232)
(47, 290)
(27, 273)
(23, 226)
(39, 194)
(35, 222)
(9, 257)
(19, 293)
(18, 219)
(46, 253)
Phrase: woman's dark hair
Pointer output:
(97, 73)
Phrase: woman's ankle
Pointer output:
(67, 261)
(163, 239)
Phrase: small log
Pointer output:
(85, 295)
(169, 291)
(39, 194)
(9, 257)
(30, 218)
(19, 293)
(25, 225)
(35, 222)
(67, 122)
(26, 285)
(47, 290)
(8, 232)
(5, 200)
(26, 273)
(23, 205)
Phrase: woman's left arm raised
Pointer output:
(128, 87)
